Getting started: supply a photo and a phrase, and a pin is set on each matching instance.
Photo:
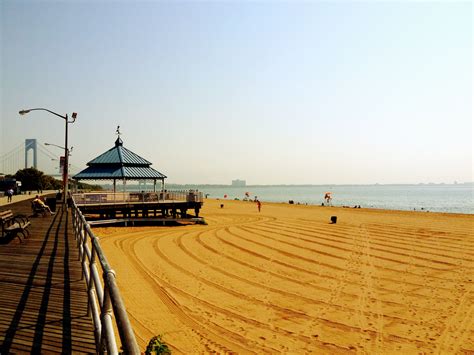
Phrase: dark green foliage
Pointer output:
(33, 179)
(157, 346)
(50, 183)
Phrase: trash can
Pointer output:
(51, 202)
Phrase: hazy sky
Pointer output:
(270, 92)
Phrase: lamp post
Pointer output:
(66, 151)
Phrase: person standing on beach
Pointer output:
(259, 205)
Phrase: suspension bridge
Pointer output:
(31, 153)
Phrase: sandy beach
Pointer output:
(285, 280)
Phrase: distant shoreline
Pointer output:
(452, 198)
(347, 208)
(172, 185)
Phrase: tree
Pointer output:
(33, 179)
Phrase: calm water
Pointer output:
(436, 198)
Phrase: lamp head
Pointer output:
(23, 112)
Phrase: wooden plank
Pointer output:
(43, 306)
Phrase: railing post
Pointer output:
(90, 283)
(129, 343)
(94, 276)
(94, 309)
(106, 317)
(80, 239)
(84, 254)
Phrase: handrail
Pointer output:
(104, 300)
(108, 197)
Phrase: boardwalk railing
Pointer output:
(98, 198)
(104, 301)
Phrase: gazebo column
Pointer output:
(115, 185)
(154, 185)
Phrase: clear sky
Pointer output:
(270, 92)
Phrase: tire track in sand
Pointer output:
(392, 271)
(336, 291)
(390, 240)
(317, 274)
(212, 339)
(282, 331)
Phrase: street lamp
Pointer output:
(66, 151)
(58, 146)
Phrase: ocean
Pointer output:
(455, 198)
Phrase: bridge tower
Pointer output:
(30, 144)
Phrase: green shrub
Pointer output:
(157, 346)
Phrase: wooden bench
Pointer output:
(13, 226)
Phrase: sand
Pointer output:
(287, 281)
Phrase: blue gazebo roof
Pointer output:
(119, 163)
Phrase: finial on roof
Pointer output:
(118, 141)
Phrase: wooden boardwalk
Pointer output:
(43, 298)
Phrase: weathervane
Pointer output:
(118, 142)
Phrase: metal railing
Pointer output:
(98, 198)
(105, 304)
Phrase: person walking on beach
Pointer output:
(259, 205)
(328, 198)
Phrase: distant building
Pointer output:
(239, 183)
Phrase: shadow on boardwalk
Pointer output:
(43, 298)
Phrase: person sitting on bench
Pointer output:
(37, 201)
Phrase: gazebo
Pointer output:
(119, 163)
